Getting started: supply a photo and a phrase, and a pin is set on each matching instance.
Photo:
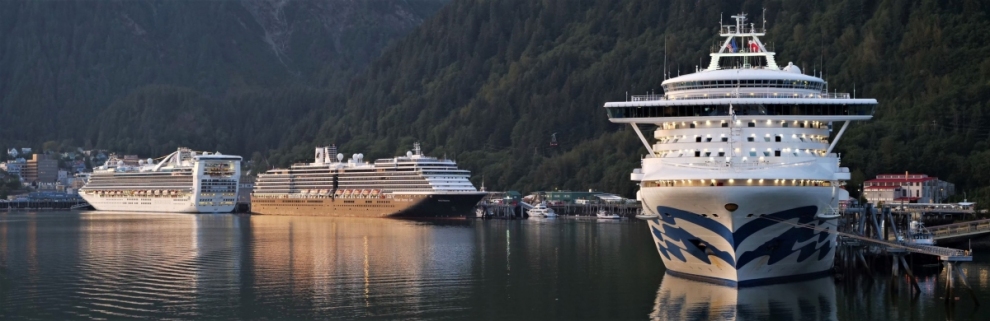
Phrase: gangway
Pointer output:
(958, 230)
(943, 253)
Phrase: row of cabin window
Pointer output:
(778, 139)
(752, 153)
(734, 83)
(750, 124)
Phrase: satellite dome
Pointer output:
(792, 68)
(149, 161)
(408, 153)
(340, 157)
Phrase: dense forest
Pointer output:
(106, 74)
(488, 83)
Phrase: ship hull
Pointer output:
(760, 242)
(411, 206)
(152, 205)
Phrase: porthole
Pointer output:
(731, 207)
(714, 215)
(749, 215)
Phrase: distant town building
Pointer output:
(907, 188)
(13, 152)
(25, 150)
(14, 167)
(78, 166)
(576, 197)
(41, 168)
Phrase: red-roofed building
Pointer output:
(907, 188)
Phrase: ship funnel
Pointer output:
(320, 155)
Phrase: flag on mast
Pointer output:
(732, 45)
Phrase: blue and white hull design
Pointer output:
(775, 234)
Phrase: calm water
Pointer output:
(66, 265)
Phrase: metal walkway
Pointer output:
(963, 229)
(944, 253)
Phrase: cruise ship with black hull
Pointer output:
(410, 186)
(740, 185)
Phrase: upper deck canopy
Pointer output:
(746, 74)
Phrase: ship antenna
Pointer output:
(664, 57)
(764, 19)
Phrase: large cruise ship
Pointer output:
(413, 185)
(741, 186)
(184, 181)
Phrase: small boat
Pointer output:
(542, 210)
(602, 213)
(917, 234)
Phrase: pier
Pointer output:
(866, 232)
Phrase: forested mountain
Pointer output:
(108, 73)
(486, 82)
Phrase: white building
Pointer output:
(13, 152)
(907, 188)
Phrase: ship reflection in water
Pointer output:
(69, 265)
(683, 299)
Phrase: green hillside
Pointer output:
(88, 71)
(484, 82)
(488, 82)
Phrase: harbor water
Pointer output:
(91, 265)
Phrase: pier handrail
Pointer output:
(963, 228)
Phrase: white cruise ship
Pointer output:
(414, 185)
(184, 182)
(740, 184)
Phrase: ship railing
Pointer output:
(655, 97)
(727, 30)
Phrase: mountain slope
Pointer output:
(488, 82)
(63, 63)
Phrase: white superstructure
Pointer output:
(184, 181)
(741, 156)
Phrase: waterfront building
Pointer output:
(13, 152)
(740, 185)
(907, 188)
(578, 197)
(40, 168)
